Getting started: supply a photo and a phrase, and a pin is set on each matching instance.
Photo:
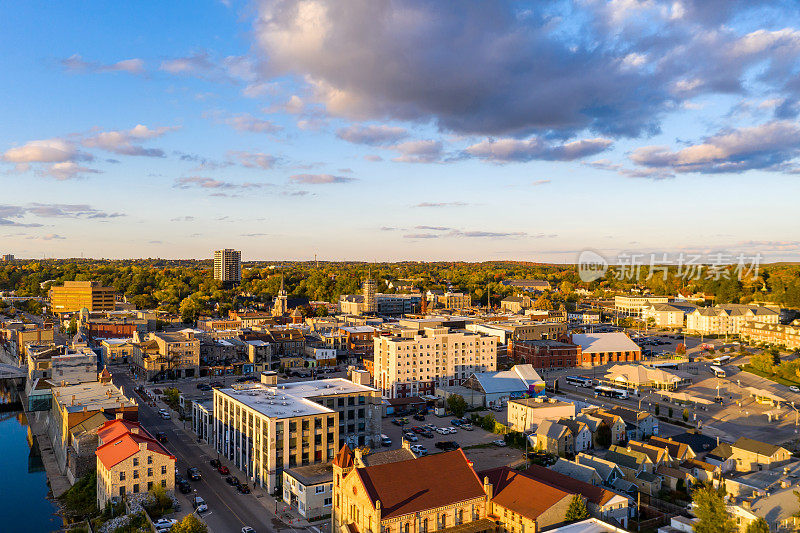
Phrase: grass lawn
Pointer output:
(776, 379)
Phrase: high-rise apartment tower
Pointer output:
(228, 265)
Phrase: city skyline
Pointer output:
(494, 131)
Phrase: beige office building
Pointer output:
(228, 265)
(414, 362)
(526, 414)
(75, 295)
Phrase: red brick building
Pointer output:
(546, 353)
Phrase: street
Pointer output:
(229, 510)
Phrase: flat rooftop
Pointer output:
(93, 395)
(322, 387)
(274, 403)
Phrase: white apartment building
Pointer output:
(727, 319)
(414, 362)
(228, 265)
(633, 305)
(266, 427)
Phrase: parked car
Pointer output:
(442, 431)
(215, 383)
(215, 463)
(199, 504)
(420, 417)
(467, 427)
(243, 488)
(165, 415)
(794, 388)
(396, 422)
(447, 445)
(419, 449)
(233, 480)
(164, 524)
(193, 473)
(205, 388)
(161, 437)
(248, 529)
(222, 469)
(452, 430)
(386, 441)
(184, 486)
(427, 434)
(409, 436)
(499, 442)
(455, 422)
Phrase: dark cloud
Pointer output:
(380, 135)
(507, 68)
(768, 146)
(515, 150)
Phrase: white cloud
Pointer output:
(517, 150)
(126, 142)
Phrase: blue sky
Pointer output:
(378, 130)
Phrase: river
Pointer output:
(23, 482)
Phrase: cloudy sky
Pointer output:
(389, 130)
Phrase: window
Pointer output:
(122, 476)
(149, 459)
(135, 461)
(164, 469)
(319, 490)
(327, 502)
(149, 485)
(122, 491)
(135, 487)
(149, 472)
(164, 483)
(135, 474)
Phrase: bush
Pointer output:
(80, 501)
(669, 412)
(685, 415)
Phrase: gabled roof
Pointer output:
(124, 446)
(552, 430)
(592, 493)
(513, 489)
(406, 487)
(602, 466)
(699, 443)
(113, 429)
(702, 465)
(574, 470)
(518, 378)
(655, 453)
(627, 458)
(754, 446)
(605, 342)
(675, 449)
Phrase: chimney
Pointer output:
(142, 446)
(135, 430)
(73, 400)
(118, 415)
(487, 488)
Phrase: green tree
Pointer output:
(604, 435)
(72, 329)
(457, 405)
(709, 508)
(576, 510)
(758, 525)
(189, 524)
(685, 415)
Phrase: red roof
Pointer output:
(115, 428)
(592, 493)
(119, 443)
(514, 491)
(406, 487)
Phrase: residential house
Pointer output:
(608, 471)
(614, 421)
(636, 467)
(677, 451)
(751, 455)
(554, 438)
(526, 414)
(702, 471)
(638, 424)
(309, 489)
(581, 434)
(575, 470)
